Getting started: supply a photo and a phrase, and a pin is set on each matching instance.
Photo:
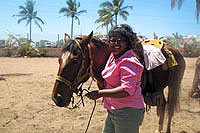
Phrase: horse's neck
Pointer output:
(99, 57)
(138, 50)
(99, 60)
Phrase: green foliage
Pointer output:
(171, 42)
(27, 13)
(8, 52)
(42, 52)
(24, 50)
(27, 50)
(110, 12)
(179, 3)
(72, 11)
(191, 50)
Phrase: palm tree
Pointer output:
(114, 9)
(105, 18)
(72, 11)
(27, 13)
(178, 39)
(179, 2)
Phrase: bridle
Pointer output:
(73, 85)
(79, 78)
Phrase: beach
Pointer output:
(26, 107)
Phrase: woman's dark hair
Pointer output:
(125, 31)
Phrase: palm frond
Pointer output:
(28, 22)
(27, 13)
(173, 3)
(127, 7)
(21, 19)
(114, 9)
(76, 18)
(38, 24)
(106, 4)
(197, 10)
(124, 14)
(81, 12)
(72, 11)
(39, 19)
(64, 10)
(116, 2)
(121, 2)
(179, 2)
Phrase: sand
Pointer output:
(26, 106)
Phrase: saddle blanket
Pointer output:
(153, 56)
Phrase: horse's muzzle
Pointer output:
(59, 101)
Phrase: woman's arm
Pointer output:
(117, 92)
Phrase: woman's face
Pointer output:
(118, 44)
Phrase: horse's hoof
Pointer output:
(183, 132)
(195, 95)
(157, 131)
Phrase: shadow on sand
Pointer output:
(2, 76)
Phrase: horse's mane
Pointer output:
(69, 45)
(99, 43)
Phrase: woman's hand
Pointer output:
(93, 95)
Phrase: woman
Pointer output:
(122, 95)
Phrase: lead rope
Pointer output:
(92, 108)
(90, 116)
(82, 100)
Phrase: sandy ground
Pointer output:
(26, 106)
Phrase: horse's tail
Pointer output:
(175, 78)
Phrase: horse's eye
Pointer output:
(75, 60)
(75, 52)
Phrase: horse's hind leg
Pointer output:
(161, 114)
(173, 95)
(169, 122)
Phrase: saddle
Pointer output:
(152, 96)
(171, 61)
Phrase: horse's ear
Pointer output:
(89, 37)
(134, 35)
(91, 34)
(66, 38)
(86, 39)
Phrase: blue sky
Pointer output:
(147, 17)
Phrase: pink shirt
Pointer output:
(126, 71)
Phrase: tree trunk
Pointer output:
(115, 19)
(72, 27)
(107, 29)
(30, 32)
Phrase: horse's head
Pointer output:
(73, 69)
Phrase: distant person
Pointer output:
(122, 95)
(195, 93)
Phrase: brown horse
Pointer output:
(81, 59)
(195, 92)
